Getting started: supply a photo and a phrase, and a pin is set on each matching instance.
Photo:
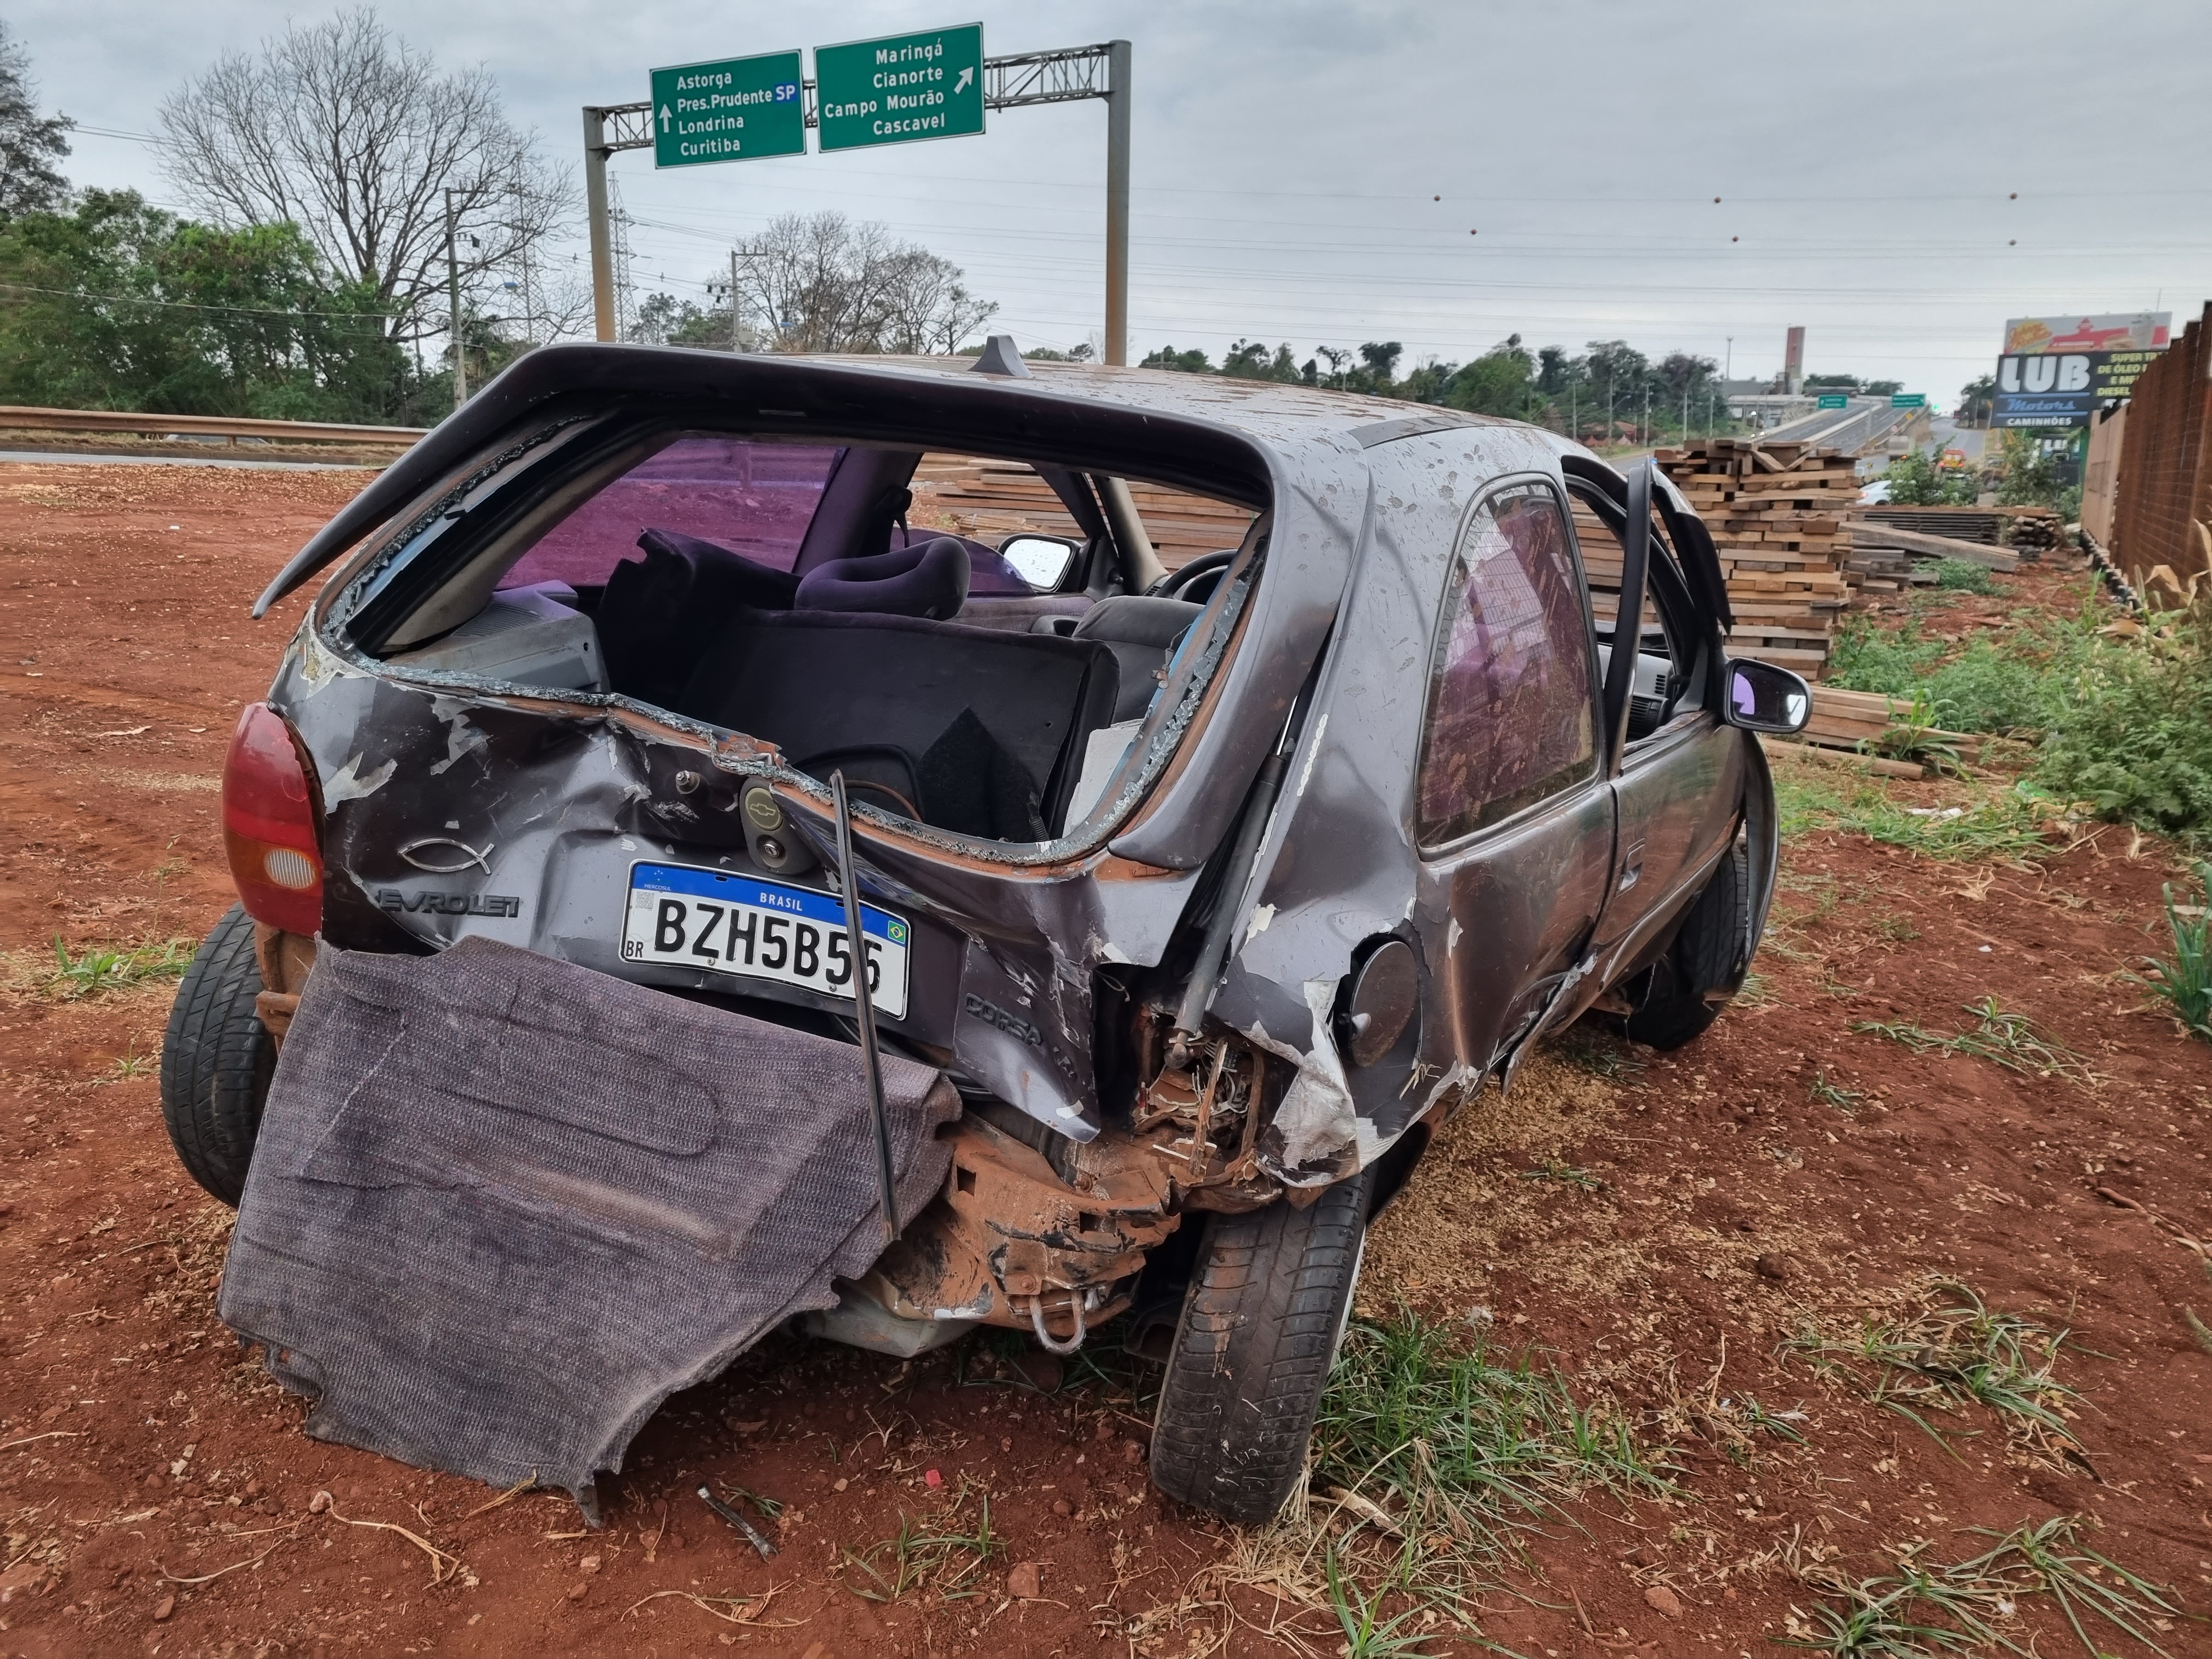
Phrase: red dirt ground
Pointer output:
(158, 1493)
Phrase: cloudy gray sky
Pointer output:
(1311, 173)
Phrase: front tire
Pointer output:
(1260, 1328)
(1705, 966)
(217, 1060)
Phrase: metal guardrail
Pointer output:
(20, 418)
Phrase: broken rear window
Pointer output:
(754, 498)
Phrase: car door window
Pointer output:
(1511, 716)
(1663, 636)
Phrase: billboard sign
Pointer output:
(2057, 370)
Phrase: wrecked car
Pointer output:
(695, 877)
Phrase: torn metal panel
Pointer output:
(471, 1165)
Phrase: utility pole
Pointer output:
(454, 307)
(733, 300)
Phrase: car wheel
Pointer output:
(1252, 1353)
(1699, 975)
(217, 1060)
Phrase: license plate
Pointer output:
(681, 916)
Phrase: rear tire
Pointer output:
(1252, 1353)
(217, 1060)
(1699, 974)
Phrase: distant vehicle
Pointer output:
(1215, 891)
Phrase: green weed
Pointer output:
(2010, 1040)
(1887, 1616)
(1992, 823)
(1464, 1446)
(1559, 1171)
(920, 1555)
(1917, 735)
(1835, 1095)
(114, 968)
(1954, 1352)
(1964, 576)
(1597, 1053)
(1367, 1634)
(2184, 981)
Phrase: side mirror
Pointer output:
(1764, 698)
(1042, 562)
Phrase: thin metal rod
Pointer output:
(871, 1065)
(595, 211)
(453, 305)
(1117, 203)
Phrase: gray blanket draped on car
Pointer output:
(502, 1207)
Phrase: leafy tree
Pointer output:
(1499, 382)
(2027, 473)
(1882, 388)
(1250, 359)
(1379, 359)
(118, 304)
(30, 143)
(1831, 382)
(1189, 362)
(1976, 398)
(1915, 481)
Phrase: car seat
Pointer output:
(658, 614)
(1141, 632)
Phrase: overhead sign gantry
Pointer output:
(899, 89)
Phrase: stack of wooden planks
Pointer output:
(1777, 513)
(990, 500)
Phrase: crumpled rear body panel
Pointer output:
(502, 1207)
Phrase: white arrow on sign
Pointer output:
(663, 117)
(966, 76)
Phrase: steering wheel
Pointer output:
(1202, 573)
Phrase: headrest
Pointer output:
(703, 573)
(1138, 619)
(928, 580)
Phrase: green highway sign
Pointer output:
(1834, 400)
(736, 110)
(1908, 400)
(899, 89)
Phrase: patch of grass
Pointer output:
(2010, 1040)
(1367, 1634)
(1597, 1053)
(1917, 734)
(1964, 576)
(2184, 981)
(1956, 1351)
(1559, 1169)
(1994, 823)
(1834, 1093)
(1898, 929)
(1888, 1616)
(102, 968)
(928, 1553)
(125, 1067)
(1462, 1446)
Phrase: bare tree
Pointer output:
(820, 282)
(30, 143)
(354, 136)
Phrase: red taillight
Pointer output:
(269, 824)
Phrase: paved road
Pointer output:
(1860, 425)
